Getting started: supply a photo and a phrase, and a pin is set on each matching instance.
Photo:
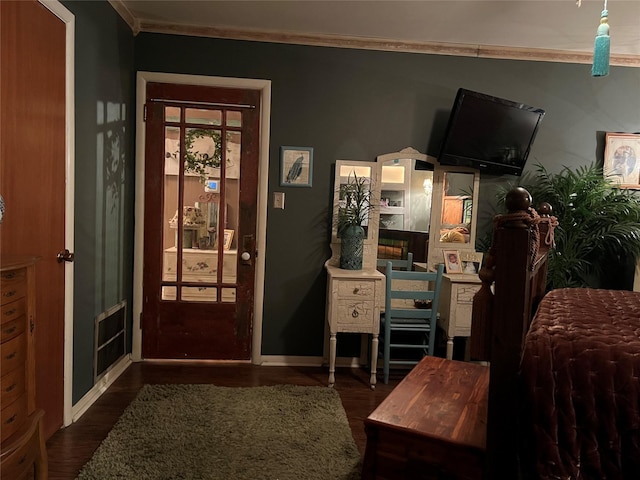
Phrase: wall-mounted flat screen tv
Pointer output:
(489, 133)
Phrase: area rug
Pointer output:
(208, 432)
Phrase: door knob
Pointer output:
(64, 256)
(245, 256)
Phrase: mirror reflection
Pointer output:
(406, 189)
(457, 208)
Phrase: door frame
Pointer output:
(60, 11)
(263, 185)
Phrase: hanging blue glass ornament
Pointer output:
(601, 48)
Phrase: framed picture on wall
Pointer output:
(296, 166)
(622, 159)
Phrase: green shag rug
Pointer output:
(207, 432)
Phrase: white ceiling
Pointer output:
(538, 24)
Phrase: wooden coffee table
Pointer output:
(432, 425)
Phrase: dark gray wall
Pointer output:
(104, 176)
(350, 104)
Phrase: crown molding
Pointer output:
(126, 15)
(367, 43)
(370, 43)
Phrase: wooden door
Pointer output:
(201, 160)
(32, 177)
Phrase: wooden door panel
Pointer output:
(32, 177)
(189, 322)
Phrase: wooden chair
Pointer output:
(404, 325)
(397, 264)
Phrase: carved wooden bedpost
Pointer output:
(515, 253)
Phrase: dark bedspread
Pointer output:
(580, 371)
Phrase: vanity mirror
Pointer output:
(455, 198)
(406, 191)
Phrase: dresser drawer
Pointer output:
(11, 329)
(12, 310)
(356, 288)
(19, 464)
(13, 285)
(354, 315)
(12, 385)
(12, 417)
(13, 354)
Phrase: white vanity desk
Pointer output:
(353, 306)
(456, 304)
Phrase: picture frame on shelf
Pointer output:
(622, 159)
(296, 166)
(471, 262)
(452, 261)
(228, 238)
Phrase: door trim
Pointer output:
(68, 18)
(263, 183)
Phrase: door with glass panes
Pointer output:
(201, 172)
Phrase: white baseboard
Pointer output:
(99, 388)
(300, 361)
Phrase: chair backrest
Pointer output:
(397, 264)
(405, 288)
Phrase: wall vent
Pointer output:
(110, 339)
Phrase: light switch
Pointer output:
(278, 200)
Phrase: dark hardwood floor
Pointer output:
(70, 448)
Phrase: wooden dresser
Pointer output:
(432, 426)
(23, 452)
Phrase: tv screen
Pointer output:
(489, 133)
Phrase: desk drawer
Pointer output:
(465, 293)
(354, 315)
(356, 288)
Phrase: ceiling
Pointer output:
(430, 26)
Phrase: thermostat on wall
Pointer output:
(212, 186)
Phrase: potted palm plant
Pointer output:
(599, 224)
(356, 204)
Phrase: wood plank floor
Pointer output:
(70, 448)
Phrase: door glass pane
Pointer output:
(199, 294)
(172, 114)
(232, 199)
(169, 230)
(234, 119)
(203, 116)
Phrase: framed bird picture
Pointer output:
(296, 166)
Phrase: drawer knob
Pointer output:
(10, 330)
(8, 313)
(11, 419)
(355, 313)
(10, 356)
(10, 293)
(10, 387)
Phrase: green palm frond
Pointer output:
(598, 222)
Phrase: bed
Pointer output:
(564, 394)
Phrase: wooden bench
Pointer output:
(432, 425)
